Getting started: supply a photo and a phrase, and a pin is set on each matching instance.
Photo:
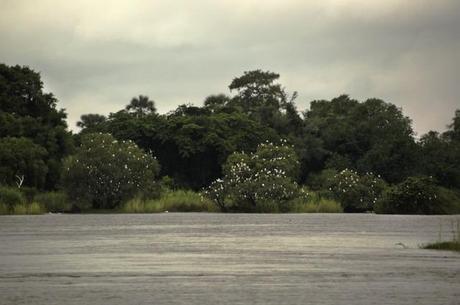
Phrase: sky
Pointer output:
(96, 55)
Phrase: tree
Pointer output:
(27, 112)
(454, 128)
(105, 172)
(372, 136)
(440, 157)
(141, 106)
(22, 159)
(356, 193)
(91, 121)
(257, 88)
(256, 180)
(418, 195)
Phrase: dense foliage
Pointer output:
(357, 193)
(255, 181)
(347, 151)
(418, 195)
(104, 172)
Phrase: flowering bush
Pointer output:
(356, 193)
(417, 195)
(104, 172)
(252, 181)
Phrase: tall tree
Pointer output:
(141, 105)
(91, 121)
(28, 112)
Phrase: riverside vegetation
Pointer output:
(451, 245)
(249, 152)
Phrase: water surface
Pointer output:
(194, 258)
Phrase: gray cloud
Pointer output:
(96, 55)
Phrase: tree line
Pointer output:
(194, 146)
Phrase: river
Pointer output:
(201, 259)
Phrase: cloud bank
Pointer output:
(96, 55)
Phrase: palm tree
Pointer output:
(141, 106)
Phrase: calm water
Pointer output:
(225, 259)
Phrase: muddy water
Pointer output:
(225, 259)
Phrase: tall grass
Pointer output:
(451, 245)
(3, 209)
(54, 201)
(171, 201)
(322, 205)
(11, 196)
(314, 202)
(33, 208)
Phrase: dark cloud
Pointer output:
(96, 55)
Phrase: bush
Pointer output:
(356, 193)
(172, 201)
(56, 202)
(11, 196)
(256, 182)
(104, 172)
(417, 195)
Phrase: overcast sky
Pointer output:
(96, 55)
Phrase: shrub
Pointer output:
(11, 196)
(54, 201)
(105, 172)
(172, 201)
(417, 195)
(257, 181)
(356, 193)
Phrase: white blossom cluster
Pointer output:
(259, 176)
(108, 169)
(357, 190)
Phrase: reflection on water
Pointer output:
(225, 259)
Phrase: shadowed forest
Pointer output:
(250, 151)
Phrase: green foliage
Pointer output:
(33, 208)
(4, 210)
(22, 157)
(440, 157)
(13, 201)
(55, 202)
(356, 193)
(372, 136)
(32, 129)
(444, 245)
(315, 205)
(416, 195)
(452, 245)
(11, 196)
(104, 172)
(91, 122)
(141, 106)
(29, 193)
(255, 181)
(172, 201)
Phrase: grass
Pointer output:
(55, 202)
(3, 209)
(451, 245)
(171, 201)
(33, 208)
(321, 205)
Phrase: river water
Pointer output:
(195, 258)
